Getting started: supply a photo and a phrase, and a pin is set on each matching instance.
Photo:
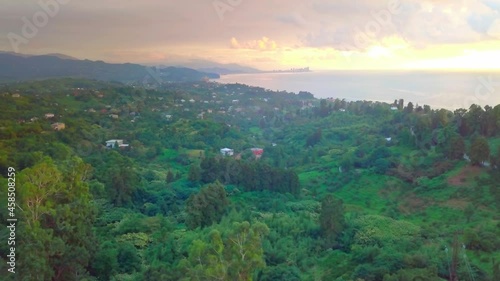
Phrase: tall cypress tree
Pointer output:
(331, 220)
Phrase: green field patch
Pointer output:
(169, 154)
(196, 153)
(365, 193)
(380, 230)
(255, 131)
(307, 177)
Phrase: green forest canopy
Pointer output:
(343, 191)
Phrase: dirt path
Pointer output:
(462, 177)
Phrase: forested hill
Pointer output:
(20, 68)
(208, 181)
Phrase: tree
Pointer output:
(58, 219)
(128, 258)
(323, 108)
(207, 206)
(194, 174)
(401, 104)
(234, 257)
(331, 219)
(245, 246)
(314, 138)
(170, 177)
(474, 118)
(40, 184)
(496, 268)
(73, 222)
(281, 272)
(495, 159)
(105, 262)
(409, 108)
(456, 147)
(479, 151)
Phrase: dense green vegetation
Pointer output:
(343, 191)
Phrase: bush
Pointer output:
(128, 259)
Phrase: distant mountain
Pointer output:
(219, 68)
(15, 54)
(18, 67)
(62, 56)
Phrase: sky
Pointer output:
(265, 34)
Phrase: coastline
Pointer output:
(437, 88)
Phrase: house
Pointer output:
(394, 108)
(227, 152)
(116, 143)
(49, 115)
(388, 139)
(16, 95)
(257, 152)
(58, 126)
(114, 116)
(466, 157)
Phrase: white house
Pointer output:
(227, 152)
(49, 115)
(116, 143)
(58, 126)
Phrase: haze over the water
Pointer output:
(439, 89)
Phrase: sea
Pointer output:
(439, 89)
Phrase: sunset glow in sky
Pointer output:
(266, 34)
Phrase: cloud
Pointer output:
(130, 30)
(494, 30)
(292, 19)
(493, 4)
(482, 22)
(263, 44)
